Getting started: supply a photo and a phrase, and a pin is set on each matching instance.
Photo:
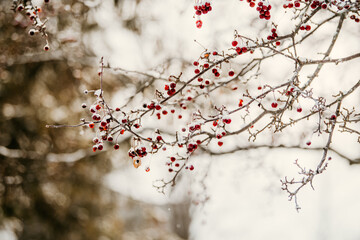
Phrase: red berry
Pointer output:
(91, 125)
(220, 143)
(116, 146)
(173, 159)
(238, 50)
(299, 109)
(206, 65)
(198, 23)
(308, 143)
(191, 167)
(234, 43)
(274, 104)
(308, 28)
(196, 63)
(231, 73)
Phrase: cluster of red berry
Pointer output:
(273, 36)
(170, 88)
(305, 27)
(32, 12)
(291, 4)
(263, 8)
(316, 4)
(324, 4)
(239, 50)
(100, 116)
(139, 151)
(201, 7)
(356, 19)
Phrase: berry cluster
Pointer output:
(305, 27)
(137, 153)
(32, 12)
(324, 4)
(356, 19)
(239, 50)
(101, 117)
(170, 88)
(273, 36)
(201, 7)
(264, 9)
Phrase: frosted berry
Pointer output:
(32, 32)
(46, 47)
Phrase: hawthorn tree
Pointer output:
(227, 96)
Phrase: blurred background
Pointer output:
(52, 186)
